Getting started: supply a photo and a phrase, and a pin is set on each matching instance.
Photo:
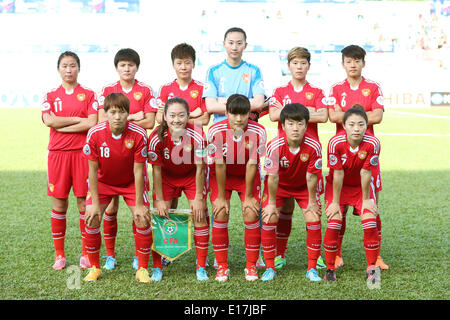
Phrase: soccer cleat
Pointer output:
(135, 263)
(165, 262)
(251, 274)
(320, 263)
(339, 262)
(313, 275)
(260, 263)
(215, 265)
(110, 263)
(60, 263)
(157, 274)
(268, 275)
(201, 274)
(380, 263)
(373, 274)
(330, 275)
(223, 274)
(93, 275)
(84, 262)
(142, 275)
(280, 262)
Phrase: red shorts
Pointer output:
(350, 195)
(234, 183)
(301, 195)
(66, 169)
(107, 192)
(173, 186)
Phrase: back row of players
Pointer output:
(111, 133)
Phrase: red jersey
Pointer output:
(177, 159)
(236, 152)
(368, 94)
(116, 155)
(192, 94)
(141, 96)
(290, 166)
(341, 156)
(81, 102)
(309, 96)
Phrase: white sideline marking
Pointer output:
(402, 134)
(419, 114)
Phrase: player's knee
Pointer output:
(334, 216)
(368, 215)
(250, 215)
(311, 216)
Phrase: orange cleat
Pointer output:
(380, 263)
(339, 262)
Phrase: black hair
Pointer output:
(294, 111)
(182, 51)
(118, 100)
(235, 29)
(355, 110)
(69, 54)
(238, 104)
(163, 126)
(353, 51)
(127, 54)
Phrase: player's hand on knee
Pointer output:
(333, 211)
(369, 205)
(270, 214)
(250, 205)
(313, 210)
(93, 216)
(141, 216)
(198, 210)
(220, 207)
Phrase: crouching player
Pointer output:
(235, 147)
(293, 164)
(117, 151)
(176, 151)
(351, 158)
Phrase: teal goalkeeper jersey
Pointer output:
(223, 80)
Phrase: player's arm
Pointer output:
(318, 115)
(214, 105)
(250, 202)
(197, 207)
(159, 203)
(203, 119)
(56, 122)
(84, 125)
(257, 102)
(101, 115)
(335, 114)
(271, 208)
(148, 122)
(311, 183)
(221, 202)
(375, 116)
(93, 214)
(142, 215)
(334, 207)
(367, 203)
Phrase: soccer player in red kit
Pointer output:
(183, 62)
(176, 151)
(357, 90)
(117, 153)
(297, 90)
(142, 112)
(351, 157)
(293, 164)
(69, 111)
(235, 147)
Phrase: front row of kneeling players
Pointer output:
(180, 157)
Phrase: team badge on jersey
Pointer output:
(144, 152)
(365, 92)
(304, 157)
(362, 154)
(309, 95)
(246, 77)
(268, 163)
(152, 156)
(86, 149)
(129, 143)
(380, 100)
(137, 95)
(194, 94)
(374, 160)
(333, 159)
(318, 164)
(81, 97)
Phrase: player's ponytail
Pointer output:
(163, 126)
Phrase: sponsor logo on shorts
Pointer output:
(129, 143)
(333, 159)
(51, 187)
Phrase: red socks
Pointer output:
(201, 239)
(269, 243)
(93, 244)
(313, 242)
(284, 227)
(220, 241)
(83, 234)
(143, 243)
(252, 240)
(156, 257)
(371, 240)
(58, 227)
(110, 233)
(330, 242)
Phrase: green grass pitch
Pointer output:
(414, 206)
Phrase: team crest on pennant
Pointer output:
(194, 94)
(129, 143)
(362, 154)
(246, 77)
(137, 95)
(365, 92)
(304, 157)
(309, 95)
(81, 97)
(169, 227)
